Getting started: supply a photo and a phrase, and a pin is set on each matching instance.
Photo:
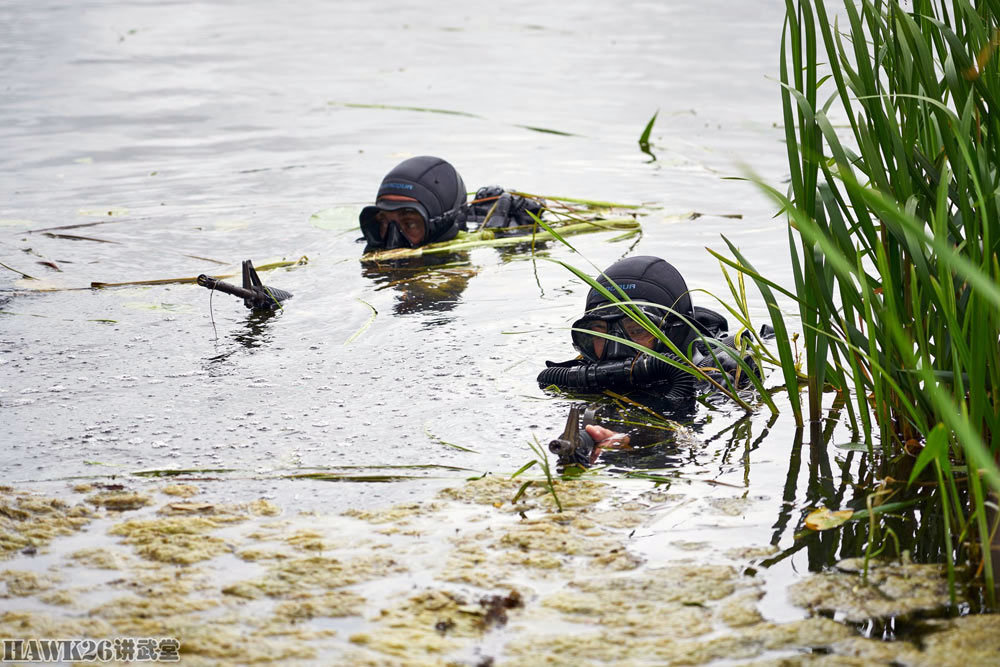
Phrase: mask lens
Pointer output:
(595, 347)
(585, 342)
(407, 221)
(635, 331)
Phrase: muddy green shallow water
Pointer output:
(174, 465)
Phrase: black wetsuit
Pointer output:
(654, 286)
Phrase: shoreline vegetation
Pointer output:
(894, 153)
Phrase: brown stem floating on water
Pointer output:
(194, 279)
(82, 224)
(74, 237)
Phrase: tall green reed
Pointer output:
(894, 236)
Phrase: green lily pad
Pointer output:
(338, 218)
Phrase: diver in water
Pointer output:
(658, 289)
(423, 200)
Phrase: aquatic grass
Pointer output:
(644, 145)
(399, 107)
(490, 238)
(431, 436)
(569, 215)
(446, 112)
(174, 472)
(541, 460)
(23, 275)
(364, 327)
(894, 236)
(555, 203)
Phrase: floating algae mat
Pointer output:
(480, 573)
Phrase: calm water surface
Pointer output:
(183, 131)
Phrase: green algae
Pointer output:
(631, 515)
(740, 610)
(177, 540)
(263, 507)
(329, 604)
(595, 600)
(659, 644)
(295, 575)
(432, 622)
(500, 491)
(750, 553)
(120, 501)
(21, 583)
(891, 590)
(99, 558)
(149, 615)
(730, 506)
(35, 624)
(254, 554)
(308, 540)
(472, 563)
(30, 521)
(180, 490)
(963, 641)
(395, 514)
(577, 536)
(59, 597)
(680, 586)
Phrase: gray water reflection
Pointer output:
(188, 134)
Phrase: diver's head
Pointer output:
(659, 291)
(418, 203)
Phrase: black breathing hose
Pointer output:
(643, 371)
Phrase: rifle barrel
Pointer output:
(226, 288)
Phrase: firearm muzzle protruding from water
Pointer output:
(575, 445)
(255, 295)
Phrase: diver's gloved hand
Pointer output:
(727, 364)
(605, 438)
(494, 208)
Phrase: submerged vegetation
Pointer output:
(894, 152)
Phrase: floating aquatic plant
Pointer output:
(644, 145)
(447, 112)
(561, 216)
(542, 460)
